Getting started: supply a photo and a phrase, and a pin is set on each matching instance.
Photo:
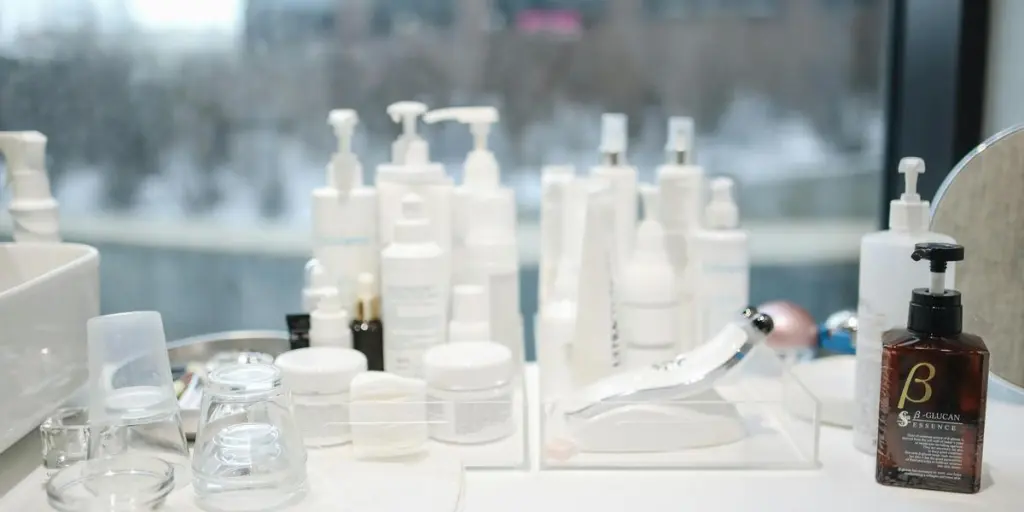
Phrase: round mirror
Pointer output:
(981, 205)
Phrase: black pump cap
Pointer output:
(763, 323)
(937, 314)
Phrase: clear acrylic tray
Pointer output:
(757, 417)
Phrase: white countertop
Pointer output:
(845, 482)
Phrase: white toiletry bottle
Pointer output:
(648, 306)
(887, 278)
(680, 190)
(553, 182)
(720, 263)
(481, 178)
(595, 347)
(493, 262)
(470, 314)
(414, 291)
(328, 323)
(622, 179)
(357, 220)
(411, 171)
(33, 209)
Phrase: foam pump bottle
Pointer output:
(887, 278)
(648, 302)
(414, 292)
(720, 265)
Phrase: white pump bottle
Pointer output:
(622, 179)
(481, 180)
(414, 294)
(411, 171)
(720, 263)
(33, 209)
(887, 278)
(648, 308)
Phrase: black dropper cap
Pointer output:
(938, 313)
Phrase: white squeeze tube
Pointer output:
(595, 347)
(622, 180)
(648, 307)
(356, 219)
(554, 180)
(33, 209)
(414, 293)
(481, 179)
(720, 263)
(887, 278)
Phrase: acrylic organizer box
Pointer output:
(47, 292)
(744, 421)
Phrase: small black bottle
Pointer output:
(367, 329)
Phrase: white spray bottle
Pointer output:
(648, 307)
(720, 263)
(33, 209)
(887, 278)
(622, 179)
(414, 293)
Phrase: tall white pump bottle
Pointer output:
(622, 180)
(648, 309)
(414, 293)
(720, 263)
(887, 278)
(33, 209)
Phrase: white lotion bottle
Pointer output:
(622, 180)
(329, 323)
(411, 171)
(491, 257)
(481, 180)
(648, 307)
(414, 293)
(720, 263)
(358, 249)
(680, 193)
(470, 314)
(887, 278)
(554, 180)
(32, 207)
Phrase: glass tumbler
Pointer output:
(122, 483)
(132, 404)
(248, 454)
(65, 436)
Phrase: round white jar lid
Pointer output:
(320, 370)
(467, 365)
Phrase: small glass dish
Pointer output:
(122, 483)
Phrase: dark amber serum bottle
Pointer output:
(367, 330)
(931, 415)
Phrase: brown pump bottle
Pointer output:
(931, 414)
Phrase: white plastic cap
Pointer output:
(405, 112)
(614, 134)
(481, 167)
(320, 370)
(721, 212)
(345, 171)
(470, 314)
(25, 153)
(680, 134)
(649, 198)
(467, 365)
(344, 122)
(909, 212)
(412, 227)
(329, 322)
(366, 286)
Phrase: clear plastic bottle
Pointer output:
(887, 279)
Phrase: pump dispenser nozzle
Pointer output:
(679, 145)
(405, 112)
(33, 208)
(344, 172)
(936, 310)
(721, 212)
(481, 167)
(614, 135)
(909, 212)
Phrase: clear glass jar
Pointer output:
(121, 483)
(469, 392)
(318, 379)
